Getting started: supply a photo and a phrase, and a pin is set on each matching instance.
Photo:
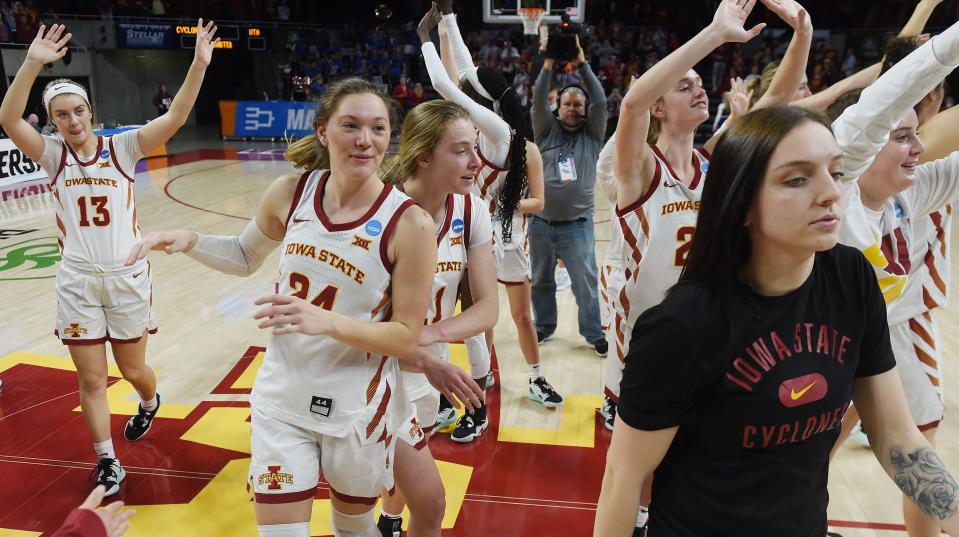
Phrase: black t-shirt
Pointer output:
(757, 386)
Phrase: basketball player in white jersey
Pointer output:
(510, 180)
(894, 193)
(355, 279)
(659, 184)
(437, 166)
(99, 299)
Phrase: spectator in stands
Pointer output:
(34, 121)
(570, 143)
(401, 92)
(416, 97)
(162, 100)
(283, 11)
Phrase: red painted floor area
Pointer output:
(516, 489)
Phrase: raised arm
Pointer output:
(920, 16)
(157, 132)
(540, 114)
(940, 135)
(863, 129)
(822, 100)
(446, 52)
(633, 162)
(793, 66)
(47, 47)
(461, 57)
(495, 131)
(596, 114)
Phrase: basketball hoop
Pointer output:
(531, 17)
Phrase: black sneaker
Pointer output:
(543, 338)
(608, 412)
(390, 527)
(639, 532)
(108, 473)
(470, 426)
(601, 347)
(138, 425)
(541, 392)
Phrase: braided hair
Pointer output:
(514, 187)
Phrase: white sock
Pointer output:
(642, 516)
(534, 371)
(150, 405)
(297, 529)
(105, 449)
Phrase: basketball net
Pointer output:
(531, 17)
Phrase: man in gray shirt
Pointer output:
(570, 142)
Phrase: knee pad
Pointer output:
(345, 525)
(478, 355)
(297, 529)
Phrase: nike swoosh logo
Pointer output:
(141, 272)
(796, 396)
(298, 221)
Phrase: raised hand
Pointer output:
(291, 315)
(115, 521)
(205, 43)
(171, 242)
(429, 21)
(445, 6)
(791, 13)
(739, 99)
(50, 47)
(730, 20)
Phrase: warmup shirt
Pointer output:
(757, 386)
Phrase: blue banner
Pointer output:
(144, 35)
(270, 119)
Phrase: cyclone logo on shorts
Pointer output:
(458, 226)
(374, 228)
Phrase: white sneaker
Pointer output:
(562, 279)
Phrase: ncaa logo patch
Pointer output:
(374, 228)
(105, 154)
(704, 167)
(458, 226)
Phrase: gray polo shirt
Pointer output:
(569, 201)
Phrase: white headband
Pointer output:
(61, 88)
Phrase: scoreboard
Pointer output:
(184, 36)
(231, 36)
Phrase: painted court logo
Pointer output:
(274, 477)
(30, 259)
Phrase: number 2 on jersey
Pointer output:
(684, 236)
(301, 289)
(99, 203)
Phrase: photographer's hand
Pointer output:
(580, 55)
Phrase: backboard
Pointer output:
(507, 11)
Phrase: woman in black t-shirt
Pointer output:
(735, 386)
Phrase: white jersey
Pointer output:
(95, 211)
(935, 230)
(466, 225)
(490, 182)
(905, 247)
(658, 230)
(320, 383)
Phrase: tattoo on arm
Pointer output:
(923, 477)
